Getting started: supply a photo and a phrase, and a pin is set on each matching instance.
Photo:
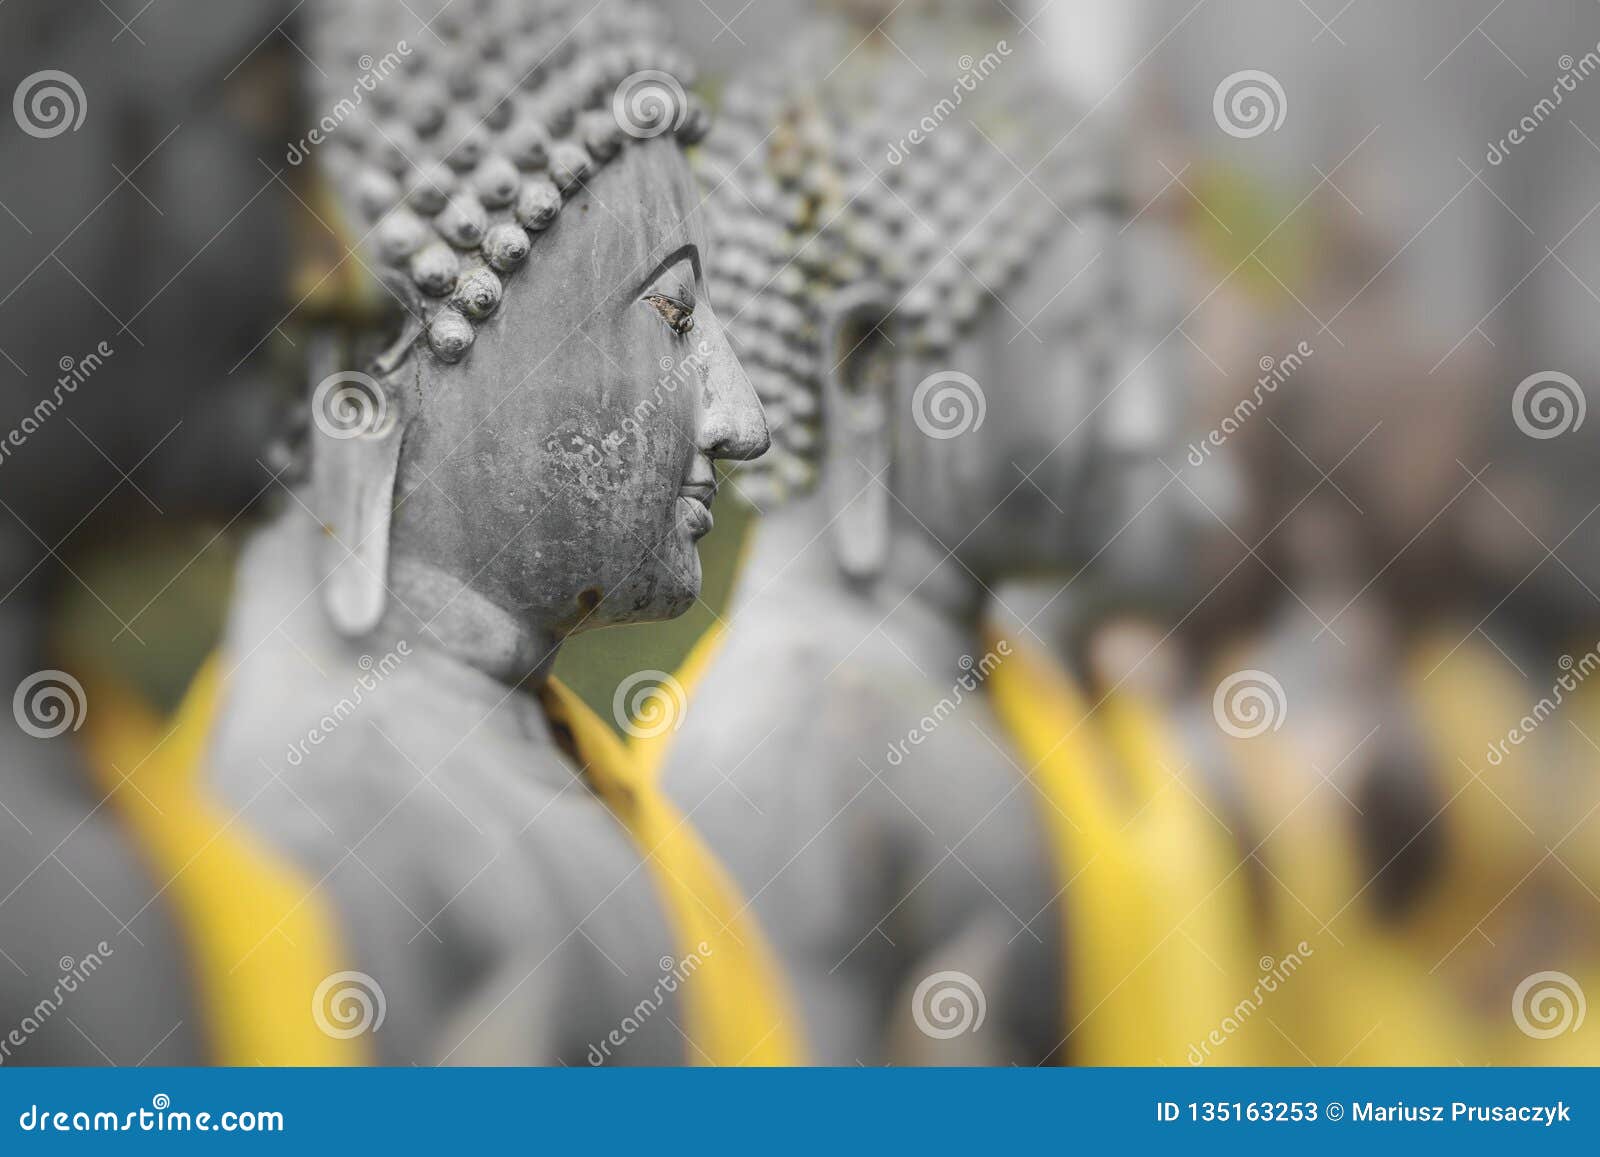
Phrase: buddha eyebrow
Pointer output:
(686, 250)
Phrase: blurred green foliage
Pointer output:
(1245, 227)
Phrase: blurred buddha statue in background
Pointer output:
(1403, 534)
(143, 263)
(922, 267)
(1365, 716)
(515, 411)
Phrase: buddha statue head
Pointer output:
(919, 264)
(518, 406)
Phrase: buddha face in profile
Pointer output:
(538, 455)
(565, 466)
(1002, 437)
(933, 329)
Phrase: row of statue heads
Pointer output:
(543, 282)
(559, 294)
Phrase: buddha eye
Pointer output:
(678, 314)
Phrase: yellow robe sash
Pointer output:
(261, 940)
(738, 1010)
(1521, 836)
(1156, 912)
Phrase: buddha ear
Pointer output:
(357, 430)
(857, 405)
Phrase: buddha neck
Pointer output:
(918, 573)
(445, 614)
(445, 669)
(427, 608)
(928, 574)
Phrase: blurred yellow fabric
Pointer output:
(260, 937)
(1168, 959)
(738, 1007)
(1159, 947)
(1435, 983)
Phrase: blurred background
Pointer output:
(1378, 239)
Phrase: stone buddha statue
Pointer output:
(131, 402)
(514, 424)
(920, 271)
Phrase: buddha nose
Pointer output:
(733, 425)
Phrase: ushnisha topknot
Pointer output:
(939, 182)
(454, 131)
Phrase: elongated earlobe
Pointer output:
(356, 435)
(857, 385)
